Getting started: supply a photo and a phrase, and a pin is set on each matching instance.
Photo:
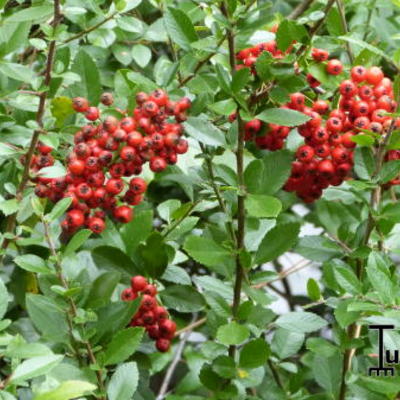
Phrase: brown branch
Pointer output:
(300, 9)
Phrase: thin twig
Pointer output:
(201, 62)
(90, 29)
(171, 369)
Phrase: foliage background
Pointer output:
(70, 341)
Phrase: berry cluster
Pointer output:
(109, 151)
(153, 317)
(326, 157)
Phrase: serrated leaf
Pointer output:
(180, 28)
(123, 382)
(301, 322)
(35, 366)
(182, 298)
(32, 263)
(67, 390)
(262, 206)
(123, 345)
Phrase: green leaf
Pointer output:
(389, 171)
(224, 366)
(379, 277)
(284, 117)
(137, 230)
(9, 207)
(32, 263)
(206, 251)
(15, 71)
(113, 259)
(263, 64)
(288, 32)
(364, 162)
(89, 86)
(34, 367)
(286, 343)
(32, 14)
(120, 313)
(277, 241)
(240, 79)
(67, 390)
(347, 279)
(3, 299)
(254, 354)
(180, 28)
(363, 140)
(318, 248)
(182, 298)
(123, 382)
(123, 345)
(141, 54)
(77, 241)
(365, 45)
(204, 131)
(55, 171)
(232, 334)
(59, 209)
(154, 255)
(262, 206)
(102, 289)
(47, 317)
(313, 290)
(61, 109)
(301, 322)
(223, 107)
(269, 174)
(334, 23)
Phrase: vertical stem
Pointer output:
(342, 14)
(11, 220)
(239, 272)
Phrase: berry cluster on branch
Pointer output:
(108, 155)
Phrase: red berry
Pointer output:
(128, 295)
(107, 99)
(305, 153)
(334, 67)
(75, 218)
(114, 186)
(92, 113)
(157, 164)
(374, 75)
(163, 345)
(137, 185)
(138, 283)
(123, 214)
(80, 104)
(167, 328)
